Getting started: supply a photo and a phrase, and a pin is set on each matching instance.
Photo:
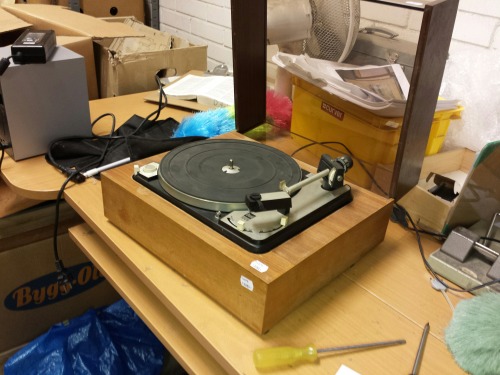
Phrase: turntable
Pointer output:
(250, 226)
(253, 194)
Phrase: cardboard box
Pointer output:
(114, 8)
(101, 8)
(129, 65)
(66, 22)
(74, 31)
(35, 224)
(130, 53)
(31, 299)
(427, 210)
(31, 302)
(10, 27)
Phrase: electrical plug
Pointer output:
(64, 278)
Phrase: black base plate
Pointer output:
(210, 218)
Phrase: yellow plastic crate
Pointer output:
(319, 116)
(439, 128)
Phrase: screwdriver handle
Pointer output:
(283, 356)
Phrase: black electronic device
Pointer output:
(33, 46)
(255, 195)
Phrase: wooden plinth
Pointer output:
(259, 289)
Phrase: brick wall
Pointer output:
(201, 22)
(474, 52)
(477, 22)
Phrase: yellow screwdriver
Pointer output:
(288, 355)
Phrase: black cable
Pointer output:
(64, 279)
(157, 112)
(429, 267)
(403, 214)
(430, 233)
(4, 64)
(2, 155)
(113, 124)
(3, 147)
(490, 239)
(359, 161)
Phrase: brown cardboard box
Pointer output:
(67, 22)
(74, 30)
(32, 301)
(10, 27)
(114, 8)
(128, 65)
(130, 53)
(35, 224)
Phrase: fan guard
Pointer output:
(324, 29)
(334, 28)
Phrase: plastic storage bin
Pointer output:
(439, 128)
(318, 116)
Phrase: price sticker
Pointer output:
(246, 283)
(259, 266)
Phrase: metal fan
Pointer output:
(324, 29)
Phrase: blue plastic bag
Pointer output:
(110, 341)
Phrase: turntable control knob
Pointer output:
(149, 171)
(150, 168)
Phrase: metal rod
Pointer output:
(420, 351)
(299, 185)
(362, 346)
(485, 250)
(491, 228)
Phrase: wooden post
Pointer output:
(249, 30)
(430, 60)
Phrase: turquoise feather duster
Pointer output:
(207, 124)
(473, 335)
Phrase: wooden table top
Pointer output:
(386, 295)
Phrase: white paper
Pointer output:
(344, 370)
(209, 90)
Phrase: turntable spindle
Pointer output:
(231, 168)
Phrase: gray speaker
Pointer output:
(43, 102)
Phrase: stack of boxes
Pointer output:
(111, 63)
